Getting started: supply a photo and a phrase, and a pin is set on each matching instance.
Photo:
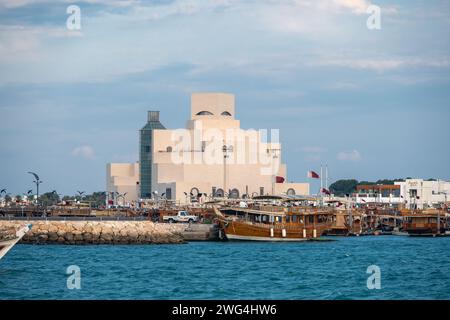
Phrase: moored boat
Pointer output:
(425, 224)
(261, 225)
(8, 239)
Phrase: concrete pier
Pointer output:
(201, 232)
(111, 232)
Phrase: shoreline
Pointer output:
(98, 232)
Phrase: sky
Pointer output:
(369, 103)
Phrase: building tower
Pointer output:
(145, 153)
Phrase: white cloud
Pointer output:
(313, 149)
(313, 153)
(354, 156)
(86, 152)
(22, 3)
(356, 6)
(380, 65)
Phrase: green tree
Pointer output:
(49, 198)
(342, 187)
(96, 199)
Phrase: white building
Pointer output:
(421, 194)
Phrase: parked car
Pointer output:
(182, 216)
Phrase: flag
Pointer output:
(313, 175)
(327, 192)
(279, 179)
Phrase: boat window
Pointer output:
(311, 219)
(294, 218)
(288, 219)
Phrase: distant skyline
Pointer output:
(372, 104)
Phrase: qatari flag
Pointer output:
(312, 174)
(279, 179)
(327, 192)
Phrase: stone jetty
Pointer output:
(98, 232)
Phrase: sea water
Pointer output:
(409, 268)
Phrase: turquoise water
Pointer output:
(411, 268)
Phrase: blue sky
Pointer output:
(371, 104)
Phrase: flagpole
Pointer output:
(321, 179)
(321, 186)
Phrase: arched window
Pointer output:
(234, 194)
(204, 113)
(290, 192)
(219, 193)
(169, 149)
(226, 113)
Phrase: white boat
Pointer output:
(7, 242)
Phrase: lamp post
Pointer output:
(1, 192)
(274, 153)
(226, 150)
(37, 181)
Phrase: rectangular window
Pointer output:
(169, 193)
(261, 191)
(147, 148)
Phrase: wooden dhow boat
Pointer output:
(274, 224)
(429, 223)
(8, 239)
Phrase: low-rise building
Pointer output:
(421, 194)
(122, 183)
(377, 193)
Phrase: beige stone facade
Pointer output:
(122, 183)
(192, 160)
(189, 161)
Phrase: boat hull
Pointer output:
(244, 231)
(7, 245)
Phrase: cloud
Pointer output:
(377, 64)
(356, 6)
(86, 152)
(353, 156)
(10, 4)
(313, 149)
(313, 153)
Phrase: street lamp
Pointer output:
(226, 150)
(274, 153)
(1, 192)
(37, 181)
